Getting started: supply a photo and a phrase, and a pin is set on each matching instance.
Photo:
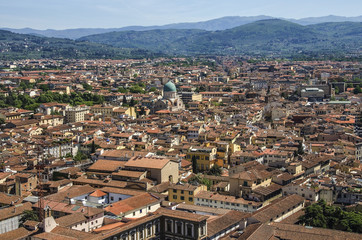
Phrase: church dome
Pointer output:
(169, 87)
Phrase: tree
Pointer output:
(132, 102)
(79, 157)
(228, 89)
(194, 164)
(29, 215)
(199, 179)
(357, 90)
(215, 170)
(332, 217)
(88, 87)
(201, 89)
(336, 90)
(143, 111)
(300, 149)
(314, 216)
(124, 101)
(93, 147)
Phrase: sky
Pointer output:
(64, 14)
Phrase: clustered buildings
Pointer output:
(209, 148)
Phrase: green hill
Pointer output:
(272, 37)
(266, 37)
(20, 46)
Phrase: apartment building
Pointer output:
(75, 114)
(184, 192)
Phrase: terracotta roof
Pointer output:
(71, 192)
(132, 203)
(17, 234)
(277, 207)
(13, 211)
(109, 227)
(71, 219)
(98, 193)
(297, 232)
(182, 215)
(8, 199)
(125, 173)
(122, 191)
(216, 225)
(185, 187)
(106, 165)
(147, 162)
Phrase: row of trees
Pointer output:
(26, 102)
(322, 215)
(136, 88)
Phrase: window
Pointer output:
(133, 236)
(134, 213)
(149, 207)
(157, 227)
(182, 198)
(141, 233)
(174, 196)
(119, 199)
(140, 210)
(112, 198)
(182, 191)
(191, 199)
(179, 227)
(149, 230)
(175, 191)
(169, 226)
(202, 230)
(191, 192)
(189, 230)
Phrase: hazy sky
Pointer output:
(61, 14)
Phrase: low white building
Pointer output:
(83, 221)
(10, 217)
(304, 188)
(135, 207)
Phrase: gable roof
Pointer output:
(147, 162)
(132, 203)
(106, 166)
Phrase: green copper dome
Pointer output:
(169, 87)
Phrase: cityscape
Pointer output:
(244, 128)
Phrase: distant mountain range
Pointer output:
(270, 37)
(265, 37)
(210, 25)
